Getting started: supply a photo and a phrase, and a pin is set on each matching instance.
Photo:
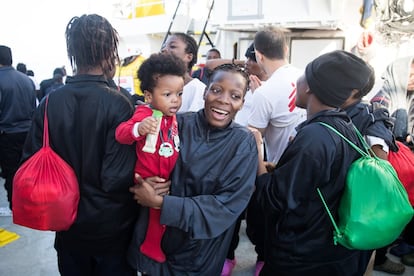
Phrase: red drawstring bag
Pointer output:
(403, 163)
(45, 190)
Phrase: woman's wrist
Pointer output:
(159, 202)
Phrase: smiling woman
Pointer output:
(225, 94)
(210, 184)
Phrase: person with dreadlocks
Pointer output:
(83, 116)
(210, 184)
(185, 47)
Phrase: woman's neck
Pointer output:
(314, 106)
(93, 71)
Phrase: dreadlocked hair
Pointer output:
(92, 42)
(232, 68)
(191, 48)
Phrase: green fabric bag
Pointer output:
(374, 208)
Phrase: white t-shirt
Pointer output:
(193, 96)
(274, 110)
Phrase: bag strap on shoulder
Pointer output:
(46, 126)
(355, 147)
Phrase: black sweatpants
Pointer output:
(409, 233)
(11, 146)
(255, 227)
(73, 263)
(235, 238)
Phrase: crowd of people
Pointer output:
(165, 183)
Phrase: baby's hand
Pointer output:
(148, 126)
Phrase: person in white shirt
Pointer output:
(274, 112)
(185, 47)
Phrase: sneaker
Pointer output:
(259, 266)
(228, 267)
(390, 267)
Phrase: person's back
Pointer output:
(17, 100)
(49, 85)
(43, 86)
(17, 104)
(274, 110)
(83, 116)
(82, 120)
(53, 88)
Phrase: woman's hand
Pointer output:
(261, 169)
(160, 185)
(270, 166)
(150, 192)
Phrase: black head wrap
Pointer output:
(332, 77)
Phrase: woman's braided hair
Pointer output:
(92, 42)
(232, 68)
(191, 47)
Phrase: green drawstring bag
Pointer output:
(374, 208)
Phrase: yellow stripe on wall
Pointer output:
(149, 8)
